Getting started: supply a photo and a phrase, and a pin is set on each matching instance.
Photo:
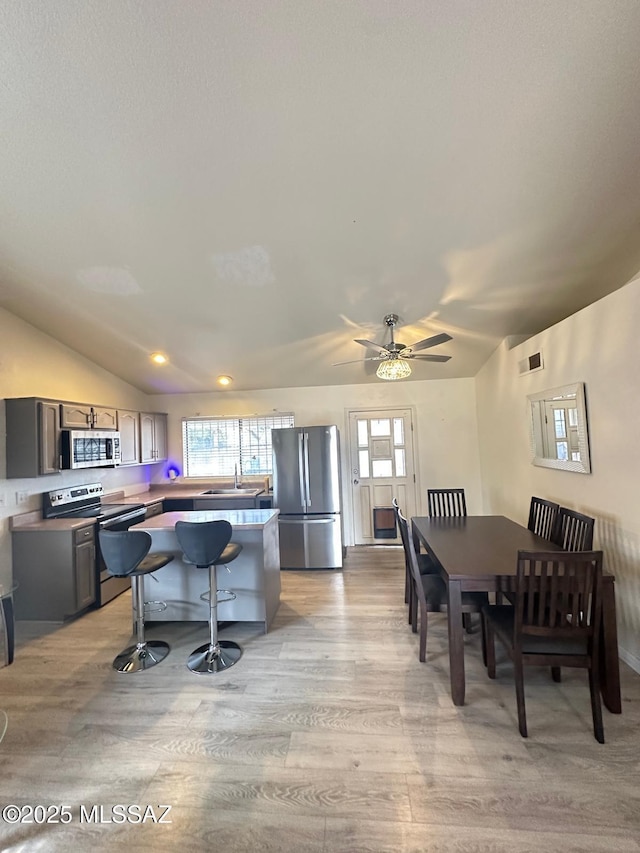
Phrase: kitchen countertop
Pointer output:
(155, 494)
(247, 519)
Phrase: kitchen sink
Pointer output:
(230, 492)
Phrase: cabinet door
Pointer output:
(153, 509)
(85, 574)
(129, 428)
(76, 416)
(49, 437)
(160, 436)
(147, 437)
(104, 418)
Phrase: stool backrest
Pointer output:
(203, 542)
(123, 550)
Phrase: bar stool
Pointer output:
(207, 545)
(125, 556)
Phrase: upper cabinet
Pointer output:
(129, 429)
(35, 425)
(33, 437)
(153, 437)
(80, 416)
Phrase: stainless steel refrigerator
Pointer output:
(306, 490)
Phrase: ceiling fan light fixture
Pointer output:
(393, 368)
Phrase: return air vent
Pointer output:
(531, 363)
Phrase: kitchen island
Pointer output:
(254, 576)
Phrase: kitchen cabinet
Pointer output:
(178, 504)
(154, 509)
(55, 571)
(225, 503)
(33, 437)
(153, 436)
(81, 416)
(129, 429)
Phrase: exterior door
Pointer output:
(382, 467)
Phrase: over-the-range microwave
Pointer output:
(90, 448)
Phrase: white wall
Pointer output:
(599, 346)
(445, 427)
(32, 365)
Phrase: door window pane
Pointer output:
(401, 470)
(382, 468)
(562, 450)
(398, 431)
(363, 463)
(559, 421)
(363, 437)
(381, 427)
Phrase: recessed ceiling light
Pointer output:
(224, 380)
(159, 358)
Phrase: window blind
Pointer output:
(212, 447)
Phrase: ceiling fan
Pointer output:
(394, 356)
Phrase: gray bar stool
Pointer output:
(207, 545)
(125, 556)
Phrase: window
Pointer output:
(212, 447)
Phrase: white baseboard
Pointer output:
(631, 660)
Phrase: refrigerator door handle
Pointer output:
(306, 469)
(282, 520)
(301, 469)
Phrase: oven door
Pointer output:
(108, 586)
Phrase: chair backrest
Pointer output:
(542, 517)
(410, 557)
(573, 530)
(558, 595)
(203, 542)
(445, 502)
(123, 550)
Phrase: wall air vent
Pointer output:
(531, 363)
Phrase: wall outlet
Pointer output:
(22, 497)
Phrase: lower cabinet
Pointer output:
(55, 571)
(154, 509)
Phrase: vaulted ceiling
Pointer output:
(250, 186)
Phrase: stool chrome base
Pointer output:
(209, 659)
(141, 656)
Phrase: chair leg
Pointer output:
(518, 670)
(214, 656)
(414, 611)
(490, 644)
(556, 674)
(144, 654)
(407, 584)
(596, 707)
(410, 598)
(423, 634)
(466, 623)
(483, 638)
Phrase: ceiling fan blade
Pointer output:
(359, 360)
(370, 344)
(430, 342)
(427, 357)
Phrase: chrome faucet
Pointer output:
(236, 480)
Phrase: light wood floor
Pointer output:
(328, 736)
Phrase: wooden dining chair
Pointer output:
(555, 621)
(573, 531)
(429, 591)
(446, 502)
(542, 517)
(426, 566)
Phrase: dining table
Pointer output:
(478, 553)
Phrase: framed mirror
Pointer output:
(558, 421)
